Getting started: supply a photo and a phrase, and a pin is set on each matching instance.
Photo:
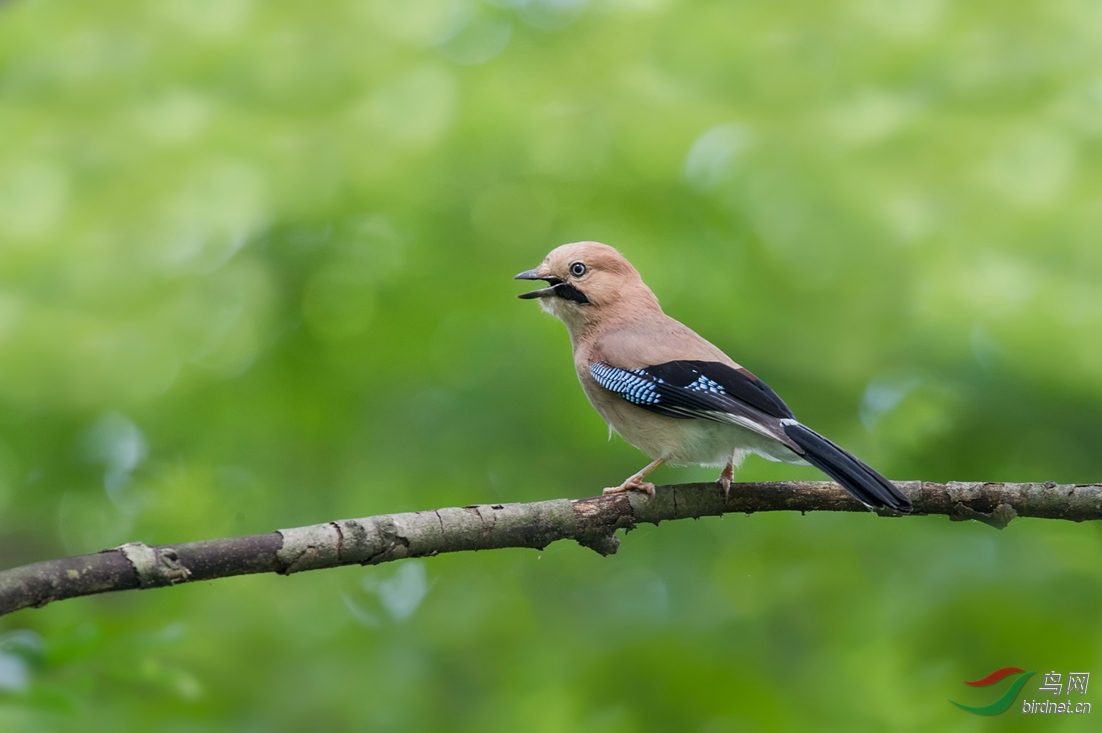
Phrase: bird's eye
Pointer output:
(577, 269)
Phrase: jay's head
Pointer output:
(587, 281)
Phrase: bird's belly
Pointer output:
(692, 441)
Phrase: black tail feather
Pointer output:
(865, 484)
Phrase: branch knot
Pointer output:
(155, 566)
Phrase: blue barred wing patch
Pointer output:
(634, 385)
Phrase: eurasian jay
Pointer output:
(668, 391)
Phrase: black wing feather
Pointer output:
(692, 389)
(697, 389)
(737, 383)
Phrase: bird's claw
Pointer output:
(632, 485)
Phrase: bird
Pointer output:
(671, 393)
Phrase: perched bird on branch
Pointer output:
(671, 393)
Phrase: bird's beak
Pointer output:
(552, 281)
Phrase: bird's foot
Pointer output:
(636, 483)
(632, 484)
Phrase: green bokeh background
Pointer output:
(255, 265)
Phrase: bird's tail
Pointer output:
(861, 481)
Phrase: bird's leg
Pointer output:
(724, 480)
(728, 474)
(636, 482)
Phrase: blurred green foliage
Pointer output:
(255, 265)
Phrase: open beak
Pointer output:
(552, 281)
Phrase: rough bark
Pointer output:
(591, 522)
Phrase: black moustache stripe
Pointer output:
(571, 293)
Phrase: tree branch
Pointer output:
(591, 522)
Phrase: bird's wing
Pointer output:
(706, 390)
(709, 390)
